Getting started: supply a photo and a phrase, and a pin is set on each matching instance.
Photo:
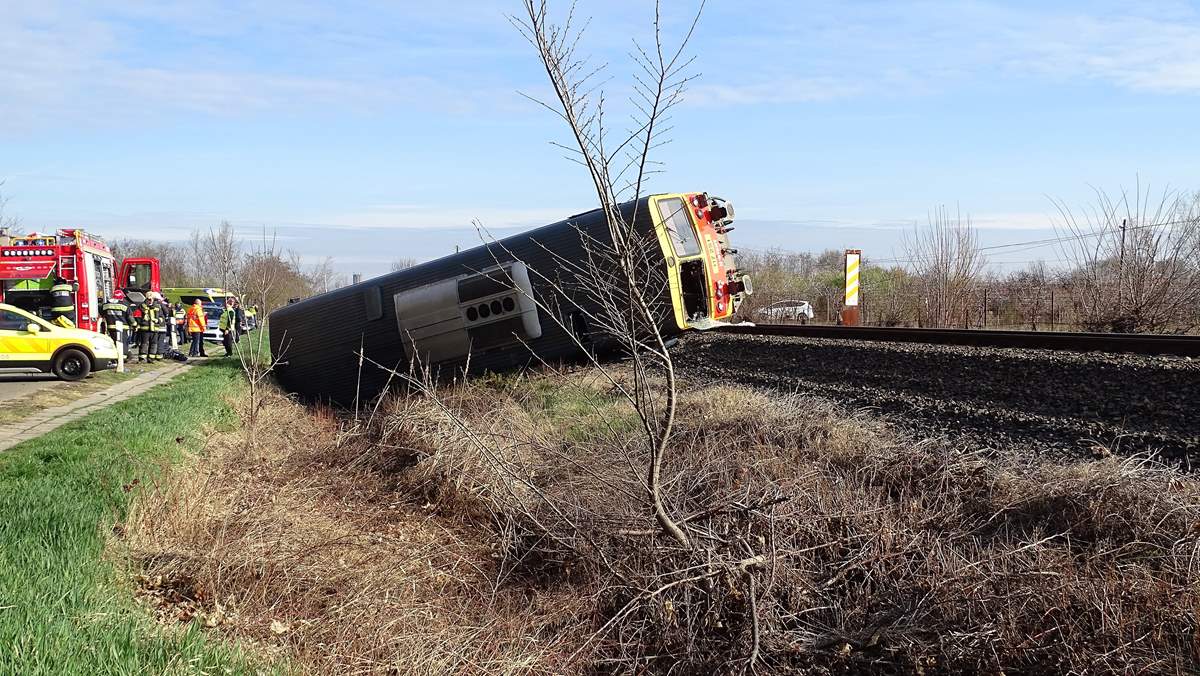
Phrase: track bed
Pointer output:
(1061, 404)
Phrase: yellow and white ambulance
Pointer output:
(30, 344)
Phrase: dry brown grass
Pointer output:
(299, 548)
(498, 528)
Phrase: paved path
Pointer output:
(17, 385)
(52, 418)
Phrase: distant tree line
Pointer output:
(257, 268)
(1124, 264)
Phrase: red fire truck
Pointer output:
(29, 265)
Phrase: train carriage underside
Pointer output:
(525, 299)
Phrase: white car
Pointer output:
(788, 310)
(212, 315)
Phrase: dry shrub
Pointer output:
(502, 527)
(879, 553)
(299, 548)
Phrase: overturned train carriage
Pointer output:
(507, 303)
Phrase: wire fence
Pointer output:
(1048, 308)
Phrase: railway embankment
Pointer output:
(503, 526)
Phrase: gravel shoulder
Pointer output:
(1061, 404)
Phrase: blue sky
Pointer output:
(370, 131)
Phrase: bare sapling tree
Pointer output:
(261, 273)
(948, 264)
(1136, 261)
(618, 296)
(618, 167)
(651, 546)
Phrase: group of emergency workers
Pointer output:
(144, 330)
(142, 327)
(148, 326)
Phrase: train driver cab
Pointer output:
(705, 283)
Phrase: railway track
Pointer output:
(1076, 400)
(1129, 343)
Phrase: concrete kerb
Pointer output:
(53, 418)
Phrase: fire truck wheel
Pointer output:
(72, 365)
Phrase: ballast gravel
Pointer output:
(1058, 403)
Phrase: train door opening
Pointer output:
(692, 287)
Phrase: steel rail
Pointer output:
(1182, 346)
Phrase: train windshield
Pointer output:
(679, 226)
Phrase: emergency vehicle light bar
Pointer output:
(29, 252)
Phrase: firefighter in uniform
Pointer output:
(62, 299)
(164, 341)
(147, 330)
(141, 319)
(117, 318)
(162, 318)
(179, 315)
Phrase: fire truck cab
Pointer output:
(30, 264)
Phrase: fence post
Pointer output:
(1051, 309)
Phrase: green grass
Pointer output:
(63, 608)
(584, 411)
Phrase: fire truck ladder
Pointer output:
(66, 264)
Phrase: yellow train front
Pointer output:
(522, 300)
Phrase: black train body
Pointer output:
(437, 310)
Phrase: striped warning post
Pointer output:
(853, 257)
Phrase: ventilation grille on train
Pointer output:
(447, 320)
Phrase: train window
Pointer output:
(679, 226)
(373, 301)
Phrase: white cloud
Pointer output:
(72, 61)
(850, 51)
(785, 90)
(416, 217)
(1134, 52)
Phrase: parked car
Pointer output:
(30, 344)
(788, 311)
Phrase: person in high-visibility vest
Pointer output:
(228, 326)
(179, 321)
(197, 322)
(62, 299)
(140, 316)
(119, 322)
(148, 329)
